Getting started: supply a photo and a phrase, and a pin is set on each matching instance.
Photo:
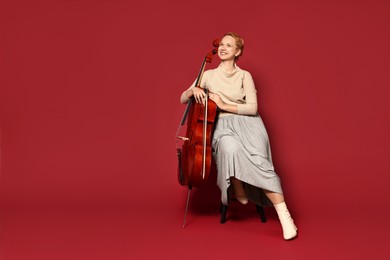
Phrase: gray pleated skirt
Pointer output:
(242, 150)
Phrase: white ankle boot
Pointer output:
(289, 228)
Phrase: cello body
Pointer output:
(194, 169)
(195, 155)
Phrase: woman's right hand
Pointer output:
(199, 95)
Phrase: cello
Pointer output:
(195, 154)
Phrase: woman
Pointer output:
(240, 141)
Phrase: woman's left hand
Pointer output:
(217, 99)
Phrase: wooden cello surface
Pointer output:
(195, 157)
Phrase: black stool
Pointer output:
(259, 210)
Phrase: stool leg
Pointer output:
(223, 210)
(260, 210)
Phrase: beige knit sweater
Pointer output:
(235, 88)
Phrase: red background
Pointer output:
(89, 107)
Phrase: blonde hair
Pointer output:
(239, 42)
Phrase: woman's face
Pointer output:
(227, 49)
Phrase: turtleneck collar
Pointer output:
(229, 74)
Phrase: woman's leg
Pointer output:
(288, 226)
(239, 191)
(274, 197)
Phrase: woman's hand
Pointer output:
(199, 95)
(222, 105)
(217, 99)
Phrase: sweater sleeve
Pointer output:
(183, 98)
(250, 107)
